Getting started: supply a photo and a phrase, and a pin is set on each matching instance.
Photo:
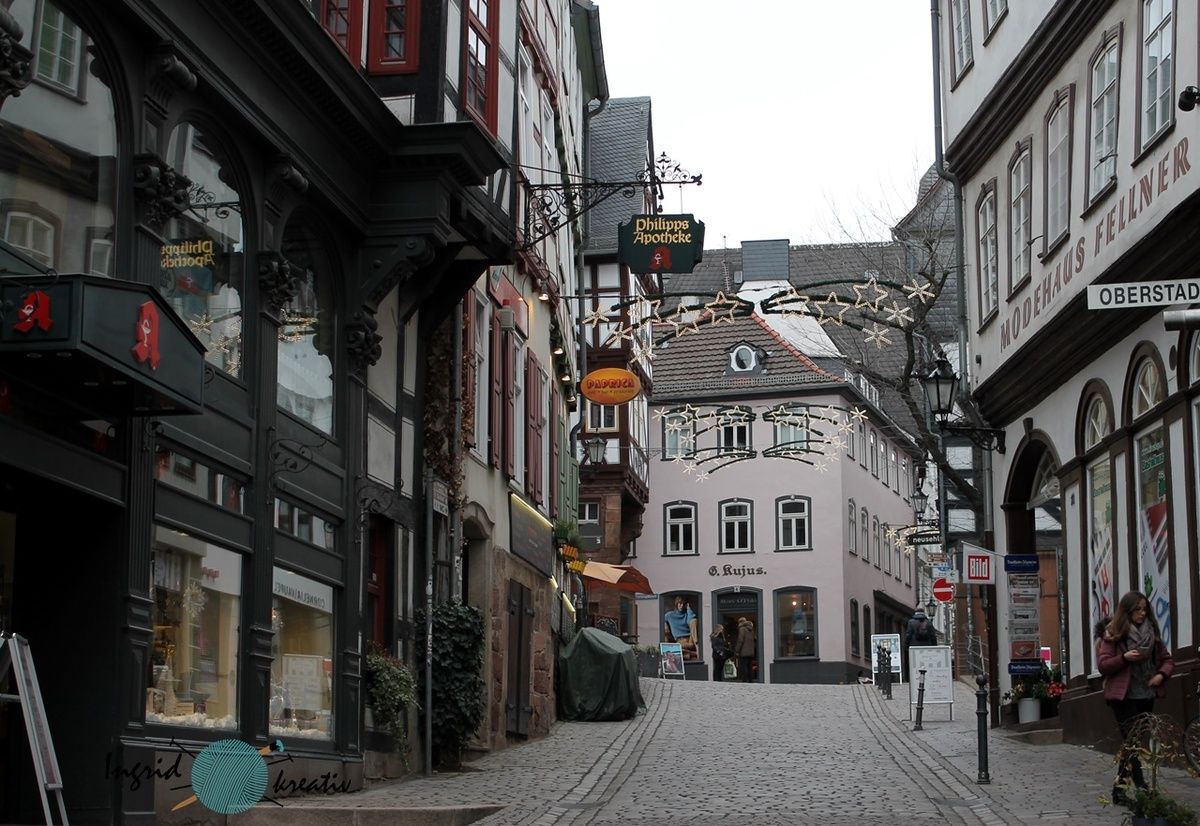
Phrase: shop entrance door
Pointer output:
(732, 606)
(62, 577)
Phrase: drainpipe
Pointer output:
(456, 396)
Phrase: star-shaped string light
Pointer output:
(877, 335)
(917, 290)
(861, 300)
(823, 316)
(202, 324)
(722, 309)
(899, 313)
(596, 316)
(859, 414)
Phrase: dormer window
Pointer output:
(746, 358)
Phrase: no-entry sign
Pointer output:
(943, 591)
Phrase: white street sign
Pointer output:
(945, 572)
(1143, 294)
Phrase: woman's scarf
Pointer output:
(1141, 636)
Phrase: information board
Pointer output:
(892, 643)
(939, 675)
(671, 660)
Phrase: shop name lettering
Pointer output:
(611, 384)
(1169, 168)
(729, 570)
(140, 773)
(188, 254)
(661, 231)
(296, 595)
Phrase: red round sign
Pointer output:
(943, 591)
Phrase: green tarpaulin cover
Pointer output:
(597, 678)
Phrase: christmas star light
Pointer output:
(202, 324)
(859, 414)
(823, 306)
(899, 313)
(722, 309)
(877, 335)
(821, 465)
(596, 316)
(917, 290)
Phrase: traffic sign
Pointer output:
(943, 591)
(946, 572)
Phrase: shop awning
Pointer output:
(621, 577)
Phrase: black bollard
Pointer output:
(879, 668)
(981, 712)
(887, 672)
(920, 699)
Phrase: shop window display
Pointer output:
(196, 589)
(796, 615)
(301, 702)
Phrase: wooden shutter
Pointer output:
(531, 418)
(496, 409)
(469, 366)
(555, 467)
(508, 389)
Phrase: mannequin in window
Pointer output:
(680, 625)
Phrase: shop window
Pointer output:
(394, 27)
(681, 621)
(795, 623)
(1100, 503)
(196, 590)
(306, 338)
(59, 50)
(201, 269)
(1097, 425)
(1195, 377)
(680, 528)
(301, 703)
(792, 523)
(304, 525)
(1148, 388)
(855, 648)
(59, 183)
(198, 479)
(736, 517)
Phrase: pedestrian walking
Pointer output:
(745, 648)
(1136, 666)
(720, 652)
(920, 631)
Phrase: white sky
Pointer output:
(810, 120)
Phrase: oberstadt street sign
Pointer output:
(1143, 294)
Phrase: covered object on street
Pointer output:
(597, 678)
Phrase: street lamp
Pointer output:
(940, 386)
(595, 450)
(920, 499)
(931, 607)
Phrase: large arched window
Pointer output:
(306, 334)
(1096, 423)
(201, 271)
(1195, 361)
(1151, 484)
(58, 150)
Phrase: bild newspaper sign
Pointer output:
(979, 565)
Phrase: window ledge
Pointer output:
(686, 555)
(1101, 195)
(1053, 247)
(1153, 143)
(983, 325)
(1020, 285)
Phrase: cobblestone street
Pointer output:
(736, 753)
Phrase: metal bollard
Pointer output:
(920, 700)
(879, 668)
(981, 711)
(887, 672)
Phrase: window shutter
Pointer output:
(531, 413)
(555, 462)
(469, 366)
(510, 403)
(495, 410)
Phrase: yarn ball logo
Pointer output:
(229, 776)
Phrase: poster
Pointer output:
(672, 659)
(1153, 562)
(892, 643)
(1024, 615)
(1101, 598)
(304, 681)
(939, 681)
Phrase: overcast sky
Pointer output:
(810, 120)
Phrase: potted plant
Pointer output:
(1054, 691)
(393, 691)
(1154, 740)
(1028, 695)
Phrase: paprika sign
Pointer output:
(610, 385)
(661, 243)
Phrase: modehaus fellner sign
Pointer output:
(1143, 294)
(661, 243)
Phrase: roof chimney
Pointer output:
(765, 260)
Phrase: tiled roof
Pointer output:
(619, 141)
(698, 362)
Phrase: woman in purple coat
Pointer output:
(1135, 665)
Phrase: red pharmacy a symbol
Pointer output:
(146, 348)
(661, 258)
(34, 312)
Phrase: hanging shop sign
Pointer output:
(100, 345)
(531, 535)
(661, 243)
(610, 385)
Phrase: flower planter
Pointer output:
(1029, 709)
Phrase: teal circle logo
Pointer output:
(229, 776)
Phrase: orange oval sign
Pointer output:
(610, 385)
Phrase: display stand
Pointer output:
(14, 656)
(939, 677)
(670, 660)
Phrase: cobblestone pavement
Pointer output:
(734, 753)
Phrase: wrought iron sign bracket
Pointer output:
(549, 206)
(984, 438)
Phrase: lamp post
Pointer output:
(595, 448)
(920, 500)
(940, 386)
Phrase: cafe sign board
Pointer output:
(610, 385)
(661, 243)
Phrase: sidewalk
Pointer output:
(1029, 783)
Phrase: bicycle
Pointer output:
(1191, 736)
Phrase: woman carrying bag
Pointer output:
(1136, 666)
(720, 652)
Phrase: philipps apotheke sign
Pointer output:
(661, 243)
(610, 385)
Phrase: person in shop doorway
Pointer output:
(744, 649)
(1136, 666)
(719, 646)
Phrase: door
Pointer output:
(517, 707)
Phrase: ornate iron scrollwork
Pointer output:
(549, 206)
(16, 61)
(364, 344)
(291, 455)
(372, 498)
(202, 202)
(162, 192)
(277, 282)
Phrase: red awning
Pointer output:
(621, 577)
